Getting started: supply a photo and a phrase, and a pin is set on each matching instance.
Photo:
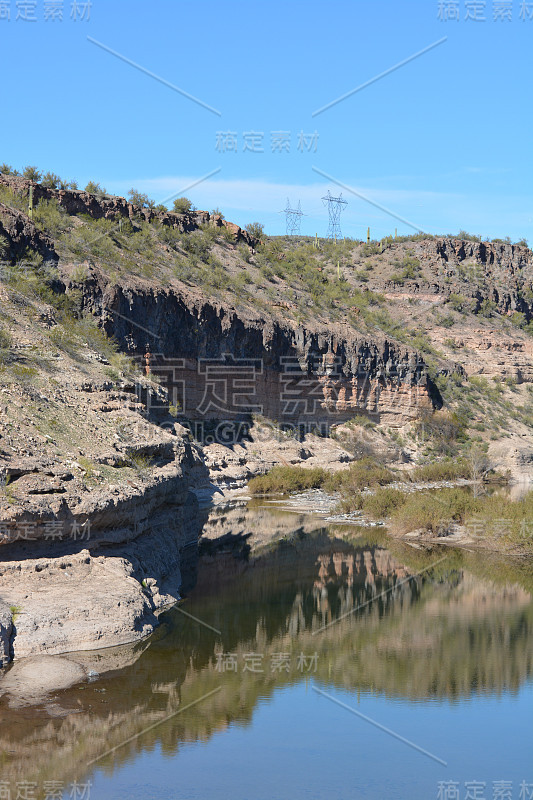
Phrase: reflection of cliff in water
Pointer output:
(445, 634)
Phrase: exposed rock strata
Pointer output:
(292, 374)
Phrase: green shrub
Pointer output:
(95, 188)
(457, 301)
(440, 471)
(487, 308)
(23, 373)
(51, 180)
(256, 230)
(244, 252)
(362, 474)
(7, 169)
(371, 249)
(242, 280)
(6, 343)
(383, 502)
(50, 217)
(197, 244)
(139, 199)
(435, 511)
(31, 174)
(182, 205)
(4, 247)
(283, 480)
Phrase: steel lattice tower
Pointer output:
(293, 218)
(335, 206)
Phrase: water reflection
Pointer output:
(275, 583)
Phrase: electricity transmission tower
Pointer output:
(293, 218)
(335, 206)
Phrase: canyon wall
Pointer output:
(218, 364)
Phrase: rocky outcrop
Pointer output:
(75, 202)
(219, 364)
(74, 597)
(497, 271)
(23, 235)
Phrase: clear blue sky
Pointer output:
(444, 142)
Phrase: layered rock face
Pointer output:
(70, 597)
(500, 272)
(22, 235)
(220, 365)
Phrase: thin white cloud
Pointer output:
(246, 200)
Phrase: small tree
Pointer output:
(7, 169)
(31, 174)
(182, 205)
(51, 180)
(68, 184)
(139, 199)
(255, 230)
(95, 188)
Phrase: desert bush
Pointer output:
(182, 205)
(197, 243)
(256, 230)
(362, 474)
(72, 184)
(440, 471)
(51, 180)
(50, 217)
(140, 199)
(383, 502)
(242, 280)
(6, 342)
(7, 169)
(244, 252)
(371, 249)
(435, 511)
(31, 174)
(283, 480)
(457, 301)
(95, 188)
(227, 235)
(487, 308)
(442, 428)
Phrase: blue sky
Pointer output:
(444, 142)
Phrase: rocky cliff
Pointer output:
(118, 341)
(220, 363)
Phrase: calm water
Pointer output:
(441, 656)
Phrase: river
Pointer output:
(305, 661)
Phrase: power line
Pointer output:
(335, 206)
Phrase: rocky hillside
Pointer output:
(145, 354)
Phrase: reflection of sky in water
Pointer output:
(444, 661)
(441, 656)
(300, 745)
